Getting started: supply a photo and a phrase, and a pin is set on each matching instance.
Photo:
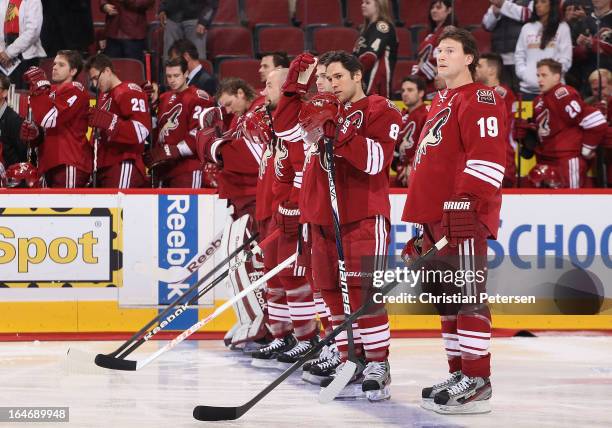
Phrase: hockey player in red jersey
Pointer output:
(174, 155)
(413, 119)
(364, 147)
(455, 191)
(376, 47)
(65, 156)
(291, 308)
(489, 71)
(123, 121)
(568, 128)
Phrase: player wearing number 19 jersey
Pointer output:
(455, 192)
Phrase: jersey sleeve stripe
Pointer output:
(141, 131)
(255, 150)
(483, 177)
(50, 119)
(488, 171)
(292, 135)
(593, 120)
(375, 157)
(494, 165)
(184, 149)
(213, 149)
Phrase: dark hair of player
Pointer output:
(417, 80)
(552, 25)
(231, 86)
(184, 46)
(5, 82)
(450, 19)
(348, 61)
(494, 60)
(467, 40)
(323, 58)
(74, 60)
(178, 61)
(100, 62)
(279, 59)
(553, 65)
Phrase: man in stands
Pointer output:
(272, 61)
(197, 76)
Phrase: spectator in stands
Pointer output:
(67, 25)
(504, 19)
(440, 15)
(376, 47)
(187, 19)
(544, 36)
(272, 61)
(601, 76)
(126, 27)
(198, 76)
(20, 36)
(575, 14)
(596, 40)
(13, 150)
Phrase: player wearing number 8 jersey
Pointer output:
(122, 117)
(455, 191)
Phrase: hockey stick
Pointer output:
(343, 377)
(217, 413)
(137, 365)
(96, 137)
(519, 143)
(602, 173)
(138, 338)
(147, 56)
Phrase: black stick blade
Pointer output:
(108, 362)
(212, 413)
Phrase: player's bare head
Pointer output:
(413, 91)
(344, 72)
(323, 85)
(489, 68)
(271, 61)
(66, 66)
(184, 48)
(457, 54)
(235, 95)
(274, 82)
(440, 13)
(601, 76)
(101, 72)
(548, 73)
(5, 83)
(176, 73)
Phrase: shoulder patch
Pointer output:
(134, 87)
(78, 85)
(382, 26)
(202, 94)
(485, 96)
(561, 92)
(501, 91)
(392, 105)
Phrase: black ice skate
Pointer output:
(469, 395)
(287, 358)
(430, 392)
(377, 381)
(323, 367)
(266, 357)
(353, 390)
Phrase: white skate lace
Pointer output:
(299, 348)
(330, 362)
(375, 369)
(276, 343)
(444, 384)
(461, 386)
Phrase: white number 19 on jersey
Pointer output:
(488, 127)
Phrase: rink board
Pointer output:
(143, 229)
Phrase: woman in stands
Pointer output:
(376, 47)
(440, 15)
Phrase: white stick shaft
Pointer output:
(184, 335)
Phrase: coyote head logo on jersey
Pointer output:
(282, 153)
(432, 134)
(170, 121)
(268, 154)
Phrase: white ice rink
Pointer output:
(552, 381)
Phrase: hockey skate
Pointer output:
(377, 381)
(266, 357)
(315, 371)
(468, 396)
(430, 392)
(353, 390)
(288, 358)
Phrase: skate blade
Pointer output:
(351, 392)
(341, 380)
(475, 407)
(313, 379)
(282, 365)
(379, 394)
(428, 404)
(264, 364)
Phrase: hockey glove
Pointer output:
(341, 132)
(412, 250)
(160, 155)
(587, 152)
(459, 220)
(301, 74)
(104, 120)
(28, 131)
(212, 117)
(210, 173)
(37, 80)
(288, 218)
(522, 128)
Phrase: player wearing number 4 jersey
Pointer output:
(122, 117)
(174, 156)
(455, 191)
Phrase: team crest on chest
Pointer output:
(433, 134)
(282, 153)
(263, 165)
(409, 134)
(171, 123)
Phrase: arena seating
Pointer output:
(270, 38)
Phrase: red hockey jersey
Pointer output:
(265, 202)
(129, 102)
(289, 170)
(412, 124)
(566, 123)
(63, 114)
(427, 66)
(511, 108)
(362, 164)
(461, 151)
(178, 115)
